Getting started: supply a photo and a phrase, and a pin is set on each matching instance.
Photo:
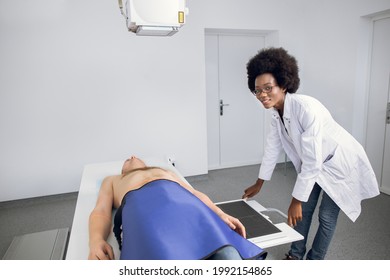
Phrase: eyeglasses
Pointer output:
(266, 89)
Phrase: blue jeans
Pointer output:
(226, 253)
(327, 216)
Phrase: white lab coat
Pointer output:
(321, 151)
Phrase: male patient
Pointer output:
(162, 217)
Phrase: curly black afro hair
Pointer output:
(277, 62)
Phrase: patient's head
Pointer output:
(131, 164)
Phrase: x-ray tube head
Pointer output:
(154, 17)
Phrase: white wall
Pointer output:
(77, 88)
(336, 57)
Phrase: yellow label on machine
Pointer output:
(181, 17)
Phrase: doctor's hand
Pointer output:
(233, 223)
(101, 250)
(253, 190)
(294, 212)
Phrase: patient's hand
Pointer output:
(101, 250)
(234, 224)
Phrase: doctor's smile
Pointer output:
(268, 92)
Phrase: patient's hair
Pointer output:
(275, 61)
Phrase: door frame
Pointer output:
(368, 30)
(271, 38)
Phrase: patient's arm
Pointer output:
(232, 222)
(100, 223)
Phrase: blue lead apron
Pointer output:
(163, 220)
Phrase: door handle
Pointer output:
(221, 105)
(388, 113)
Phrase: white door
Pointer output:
(378, 132)
(385, 184)
(235, 118)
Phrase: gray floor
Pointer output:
(367, 238)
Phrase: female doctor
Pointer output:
(327, 158)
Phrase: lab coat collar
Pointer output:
(286, 108)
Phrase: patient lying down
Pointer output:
(160, 216)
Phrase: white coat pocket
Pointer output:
(339, 165)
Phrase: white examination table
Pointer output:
(91, 180)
